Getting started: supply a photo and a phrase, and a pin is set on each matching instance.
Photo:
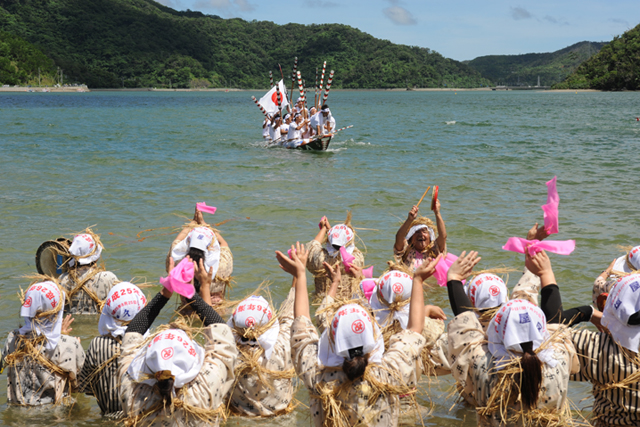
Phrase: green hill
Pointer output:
(23, 63)
(615, 67)
(140, 43)
(514, 70)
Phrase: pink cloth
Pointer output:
(368, 272)
(347, 259)
(442, 268)
(368, 286)
(518, 244)
(179, 278)
(202, 207)
(551, 208)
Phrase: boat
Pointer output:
(277, 101)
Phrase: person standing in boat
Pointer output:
(266, 126)
(274, 129)
(326, 122)
(86, 284)
(295, 132)
(416, 239)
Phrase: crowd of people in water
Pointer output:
(361, 355)
(299, 126)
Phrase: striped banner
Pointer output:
(259, 106)
(326, 92)
(271, 78)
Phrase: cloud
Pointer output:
(399, 15)
(244, 5)
(228, 6)
(556, 21)
(620, 22)
(519, 13)
(320, 3)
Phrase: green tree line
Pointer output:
(23, 63)
(615, 67)
(141, 43)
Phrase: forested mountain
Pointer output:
(513, 70)
(22, 62)
(140, 43)
(616, 67)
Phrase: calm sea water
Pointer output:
(130, 162)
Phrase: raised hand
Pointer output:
(462, 268)
(66, 324)
(413, 213)
(427, 268)
(198, 218)
(537, 233)
(434, 312)
(296, 264)
(540, 265)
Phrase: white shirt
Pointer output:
(294, 132)
(274, 133)
(266, 129)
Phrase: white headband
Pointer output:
(415, 228)
(123, 302)
(486, 291)
(255, 311)
(83, 245)
(43, 297)
(622, 302)
(393, 286)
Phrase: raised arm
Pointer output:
(551, 300)
(404, 229)
(441, 241)
(336, 276)
(460, 270)
(324, 228)
(145, 317)
(416, 305)
(296, 267)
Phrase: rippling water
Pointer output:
(130, 162)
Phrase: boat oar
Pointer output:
(425, 193)
(259, 106)
(279, 97)
(315, 100)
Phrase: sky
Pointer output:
(457, 29)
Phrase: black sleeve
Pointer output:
(206, 313)
(634, 319)
(144, 319)
(552, 308)
(458, 298)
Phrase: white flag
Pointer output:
(270, 101)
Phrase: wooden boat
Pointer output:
(318, 144)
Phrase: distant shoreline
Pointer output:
(80, 89)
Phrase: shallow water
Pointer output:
(130, 162)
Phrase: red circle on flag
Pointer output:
(357, 326)
(274, 98)
(249, 322)
(167, 353)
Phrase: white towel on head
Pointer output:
(486, 291)
(622, 302)
(83, 245)
(123, 302)
(394, 286)
(170, 350)
(339, 235)
(198, 238)
(351, 327)
(518, 321)
(256, 311)
(415, 228)
(42, 297)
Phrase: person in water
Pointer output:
(42, 361)
(86, 284)
(167, 378)
(99, 375)
(352, 378)
(200, 241)
(265, 374)
(417, 241)
(331, 245)
(608, 358)
(518, 371)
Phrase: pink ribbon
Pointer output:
(518, 244)
(442, 268)
(347, 259)
(368, 272)
(179, 279)
(202, 207)
(368, 286)
(551, 208)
